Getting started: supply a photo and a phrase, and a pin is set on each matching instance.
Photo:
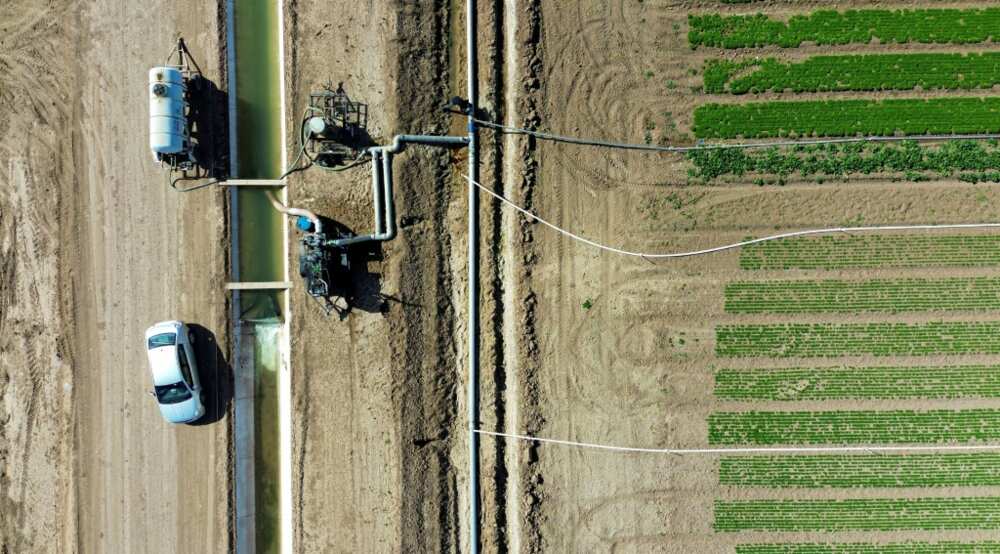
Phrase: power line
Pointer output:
(507, 129)
(714, 249)
(747, 450)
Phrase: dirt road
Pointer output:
(95, 248)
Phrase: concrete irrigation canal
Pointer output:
(254, 29)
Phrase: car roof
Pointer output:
(163, 364)
(163, 327)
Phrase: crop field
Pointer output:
(877, 295)
(944, 547)
(864, 470)
(873, 251)
(857, 73)
(835, 393)
(967, 160)
(858, 383)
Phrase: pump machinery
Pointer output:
(333, 136)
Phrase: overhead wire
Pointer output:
(747, 450)
(511, 130)
(686, 254)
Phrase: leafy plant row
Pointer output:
(863, 514)
(875, 295)
(865, 470)
(944, 547)
(843, 118)
(854, 72)
(860, 383)
(854, 427)
(873, 251)
(827, 340)
(940, 26)
(859, 158)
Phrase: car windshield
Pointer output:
(163, 339)
(172, 394)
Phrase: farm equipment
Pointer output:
(335, 127)
(170, 87)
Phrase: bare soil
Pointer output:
(94, 248)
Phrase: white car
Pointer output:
(176, 385)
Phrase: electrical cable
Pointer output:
(506, 129)
(734, 245)
(747, 450)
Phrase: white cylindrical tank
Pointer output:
(167, 120)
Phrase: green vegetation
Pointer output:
(855, 72)
(841, 118)
(863, 514)
(988, 547)
(828, 340)
(873, 251)
(853, 427)
(858, 158)
(940, 26)
(864, 470)
(840, 383)
(876, 295)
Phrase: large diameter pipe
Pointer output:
(383, 196)
(301, 212)
(377, 192)
(473, 385)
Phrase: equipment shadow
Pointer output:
(216, 375)
(208, 107)
(359, 288)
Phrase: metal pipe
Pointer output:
(302, 212)
(390, 204)
(383, 198)
(377, 192)
(473, 392)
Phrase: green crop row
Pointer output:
(865, 470)
(853, 427)
(859, 158)
(826, 340)
(876, 295)
(855, 72)
(940, 26)
(873, 251)
(863, 514)
(945, 547)
(838, 383)
(843, 118)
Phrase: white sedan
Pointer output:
(176, 385)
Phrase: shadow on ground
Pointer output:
(216, 375)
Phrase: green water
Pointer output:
(259, 143)
(261, 251)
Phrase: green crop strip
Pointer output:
(868, 470)
(863, 514)
(853, 427)
(858, 72)
(873, 251)
(840, 160)
(940, 26)
(876, 295)
(986, 547)
(828, 340)
(860, 383)
(841, 118)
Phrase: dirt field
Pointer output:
(94, 249)
(576, 344)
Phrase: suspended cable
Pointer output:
(734, 245)
(747, 450)
(655, 148)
